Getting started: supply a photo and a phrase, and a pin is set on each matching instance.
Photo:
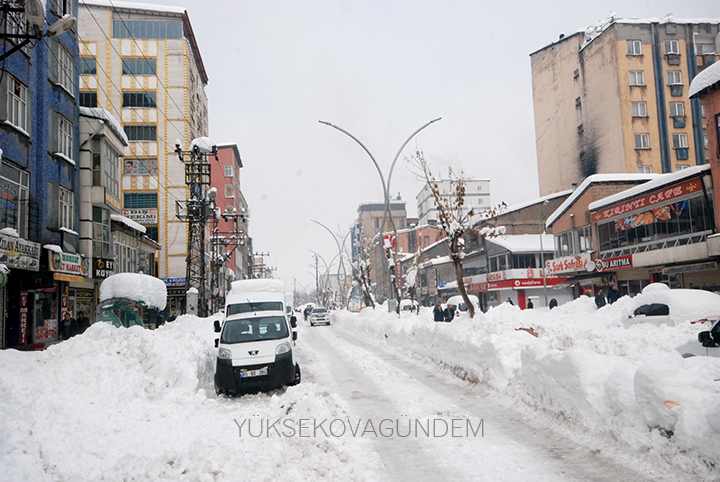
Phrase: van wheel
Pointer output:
(298, 376)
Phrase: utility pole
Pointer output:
(196, 211)
(224, 244)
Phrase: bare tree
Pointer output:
(361, 269)
(454, 220)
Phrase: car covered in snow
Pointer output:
(456, 304)
(408, 306)
(660, 305)
(319, 316)
(707, 344)
(256, 347)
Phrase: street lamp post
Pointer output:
(542, 253)
(386, 193)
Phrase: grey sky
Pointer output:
(379, 69)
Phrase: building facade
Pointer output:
(142, 64)
(615, 99)
(477, 197)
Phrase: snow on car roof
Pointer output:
(253, 285)
(137, 287)
(685, 304)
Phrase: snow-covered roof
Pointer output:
(128, 222)
(53, 247)
(107, 117)
(436, 261)
(595, 178)
(705, 79)
(69, 231)
(524, 243)
(10, 232)
(549, 197)
(135, 286)
(660, 181)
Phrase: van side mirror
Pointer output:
(293, 321)
(294, 335)
(217, 326)
(217, 340)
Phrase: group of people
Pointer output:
(71, 326)
(602, 298)
(440, 314)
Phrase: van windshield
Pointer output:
(255, 306)
(256, 329)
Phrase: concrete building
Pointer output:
(477, 197)
(142, 63)
(615, 99)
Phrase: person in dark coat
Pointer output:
(83, 322)
(510, 301)
(530, 305)
(553, 303)
(613, 295)
(438, 314)
(69, 326)
(599, 298)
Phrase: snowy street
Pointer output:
(382, 398)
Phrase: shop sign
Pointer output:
(142, 216)
(174, 281)
(520, 283)
(709, 266)
(398, 275)
(568, 264)
(68, 263)
(432, 290)
(23, 317)
(103, 267)
(651, 199)
(497, 276)
(112, 201)
(612, 264)
(19, 253)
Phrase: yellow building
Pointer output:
(614, 99)
(142, 63)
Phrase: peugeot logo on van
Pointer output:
(253, 352)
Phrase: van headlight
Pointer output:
(224, 354)
(282, 348)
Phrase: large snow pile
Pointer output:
(136, 404)
(135, 286)
(628, 386)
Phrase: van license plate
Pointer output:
(253, 373)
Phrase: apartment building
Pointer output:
(614, 99)
(142, 64)
(477, 197)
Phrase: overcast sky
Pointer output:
(380, 69)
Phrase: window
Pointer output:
(65, 70)
(639, 109)
(101, 232)
(146, 29)
(111, 174)
(63, 136)
(141, 133)
(88, 66)
(139, 99)
(14, 184)
(674, 77)
(61, 7)
(680, 167)
(576, 74)
(88, 99)
(642, 141)
(67, 212)
(705, 138)
(702, 111)
(677, 109)
(671, 47)
(139, 200)
(17, 104)
(139, 67)
(125, 252)
(644, 169)
(705, 48)
(637, 78)
(679, 141)
(229, 190)
(524, 261)
(140, 167)
(229, 171)
(634, 47)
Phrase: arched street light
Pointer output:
(386, 193)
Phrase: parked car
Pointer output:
(457, 305)
(319, 315)
(660, 305)
(707, 344)
(408, 306)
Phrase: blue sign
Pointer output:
(174, 281)
(443, 282)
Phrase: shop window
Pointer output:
(14, 198)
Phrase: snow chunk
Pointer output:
(107, 117)
(53, 247)
(135, 286)
(10, 232)
(703, 80)
(204, 145)
(128, 222)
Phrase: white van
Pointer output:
(256, 344)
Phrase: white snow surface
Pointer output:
(253, 285)
(53, 247)
(128, 222)
(705, 79)
(585, 370)
(524, 243)
(108, 118)
(135, 286)
(10, 232)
